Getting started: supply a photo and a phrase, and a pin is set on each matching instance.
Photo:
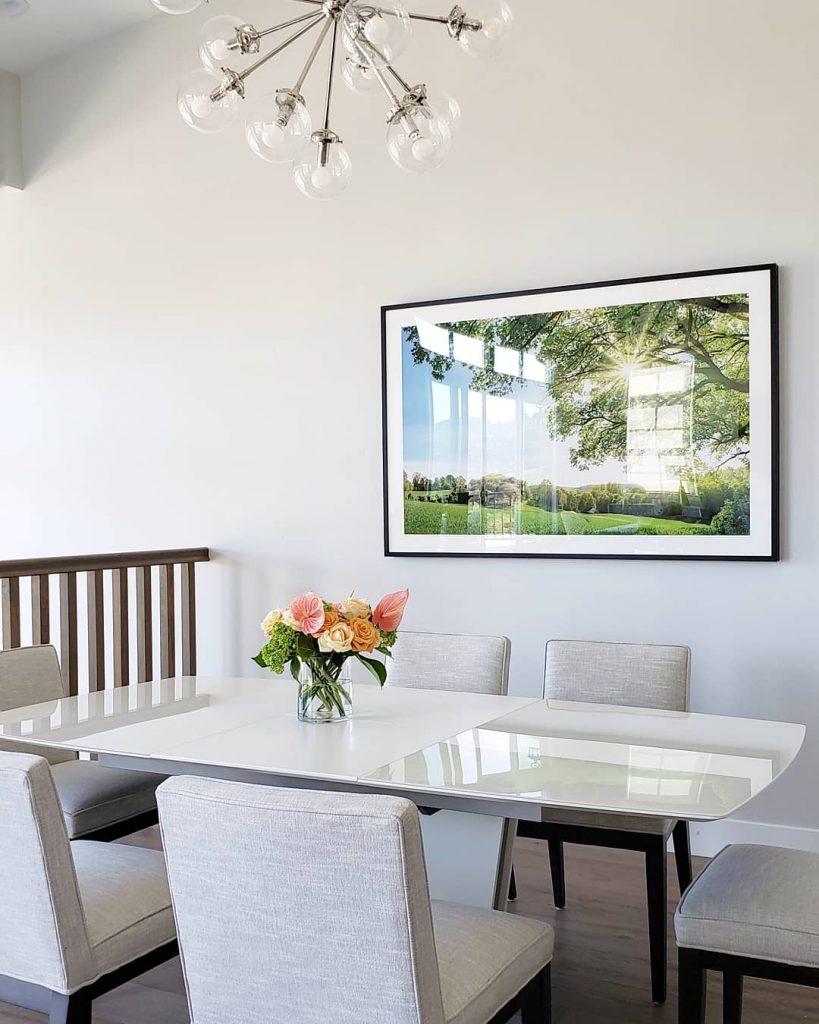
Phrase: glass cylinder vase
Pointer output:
(325, 691)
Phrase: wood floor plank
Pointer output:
(600, 972)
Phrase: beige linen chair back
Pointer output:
(451, 661)
(299, 906)
(43, 938)
(31, 675)
(628, 675)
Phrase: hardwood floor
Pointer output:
(600, 972)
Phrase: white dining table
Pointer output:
(480, 762)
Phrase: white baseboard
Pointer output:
(708, 838)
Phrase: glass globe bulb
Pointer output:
(197, 108)
(444, 105)
(218, 44)
(323, 178)
(495, 17)
(278, 128)
(420, 141)
(176, 6)
(359, 78)
(375, 36)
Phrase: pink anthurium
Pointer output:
(389, 611)
(308, 612)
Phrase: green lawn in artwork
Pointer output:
(422, 518)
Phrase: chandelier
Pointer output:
(370, 37)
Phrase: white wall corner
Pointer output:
(11, 131)
(708, 838)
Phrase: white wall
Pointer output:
(190, 350)
(11, 142)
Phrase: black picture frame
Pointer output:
(766, 544)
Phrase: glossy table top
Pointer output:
(603, 758)
(252, 724)
(512, 751)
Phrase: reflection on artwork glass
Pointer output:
(621, 420)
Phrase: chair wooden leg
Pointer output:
(536, 1001)
(73, 1009)
(558, 873)
(547, 994)
(656, 890)
(682, 854)
(692, 987)
(731, 997)
(513, 886)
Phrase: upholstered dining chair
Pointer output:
(98, 802)
(753, 912)
(630, 675)
(451, 661)
(454, 661)
(308, 907)
(78, 918)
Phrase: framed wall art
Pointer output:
(624, 419)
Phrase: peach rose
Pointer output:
(270, 620)
(338, 639)
(365, 636)
(353, 608)
(308, 612)
(389, 611)
(331, 617)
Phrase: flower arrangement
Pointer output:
(317, 638)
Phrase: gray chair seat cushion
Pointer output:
(93, 796)
(755, 901)
(485, 958)
(125, 899)
(621, 822)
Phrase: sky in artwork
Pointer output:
(451, 428)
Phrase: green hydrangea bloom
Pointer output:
(280, 648)
(387, 641)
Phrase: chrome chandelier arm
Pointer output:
(305, 71)
(402, 82)
(401, 109)
(317, 20)
(285, 24)
(456, 16)
(382, 79)
(392, 96)
(331, 75)
(326, 137)
(248, 37)
(234, 81)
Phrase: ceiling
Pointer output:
(54, 27)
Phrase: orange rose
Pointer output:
(365, 636)
(338, 639)
(331, 617)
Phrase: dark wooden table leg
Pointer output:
(656, 888)
(682, 854)
(558, 872)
